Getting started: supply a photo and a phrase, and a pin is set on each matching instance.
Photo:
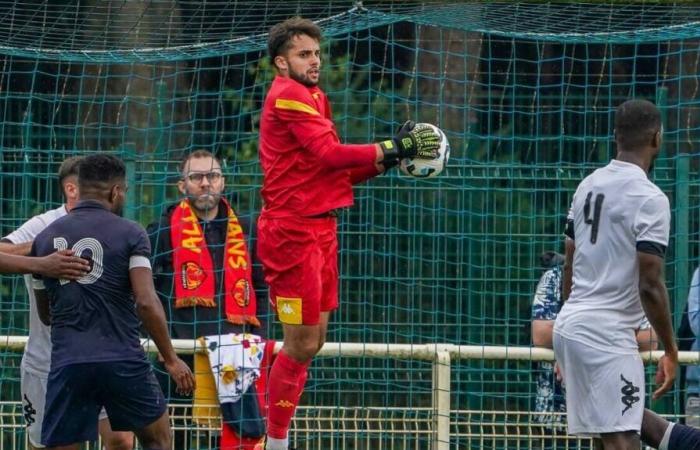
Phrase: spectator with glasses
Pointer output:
(203, 268)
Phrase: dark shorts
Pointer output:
(75, 393)
(300, 261)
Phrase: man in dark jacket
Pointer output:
(203, 269)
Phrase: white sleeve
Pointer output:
(653, 221)
(28, 231)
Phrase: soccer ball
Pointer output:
(428, 168)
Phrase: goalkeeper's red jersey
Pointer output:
(299, 150)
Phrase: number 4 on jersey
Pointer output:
(595, 221)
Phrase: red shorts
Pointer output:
(300, 261)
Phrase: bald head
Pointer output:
(637, 123)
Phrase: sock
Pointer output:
(301, 382)
(285, 387)
(276, 444)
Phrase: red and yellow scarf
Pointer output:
(194, 269)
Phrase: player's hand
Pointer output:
(182, 375)
(412, 141)
(391, 159)
(62, 265)
(665, 373)
(417, 141)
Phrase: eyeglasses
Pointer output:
(198, 177)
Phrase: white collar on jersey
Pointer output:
(627, 166)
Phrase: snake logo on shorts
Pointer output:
(628, 390)
(29, 411)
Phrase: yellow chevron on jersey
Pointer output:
(294, 105)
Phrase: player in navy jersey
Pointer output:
(96, 359)
(36, 359)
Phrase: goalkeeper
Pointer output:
(308, 176)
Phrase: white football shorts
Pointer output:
(604, 391)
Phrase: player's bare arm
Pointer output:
(22, 249)
(647, 340)
(56, 265)
(542, 333)
(654, 297)
(150, 311)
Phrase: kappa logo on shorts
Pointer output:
(29, 411)
(284, 404)
(628, 390)
(289, 310)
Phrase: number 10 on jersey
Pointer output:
(78, 248)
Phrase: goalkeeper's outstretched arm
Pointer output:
(316, 134)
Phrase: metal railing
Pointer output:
(436, 427)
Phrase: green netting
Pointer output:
(524, 92)
(156, 30)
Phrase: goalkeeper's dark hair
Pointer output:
(636, 123)
(280, 37)
(99, 171)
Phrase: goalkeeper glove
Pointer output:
(391, 159)
(412, 141)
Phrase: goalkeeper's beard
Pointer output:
(302, 78)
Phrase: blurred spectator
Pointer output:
(550, 406)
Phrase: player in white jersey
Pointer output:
(618, 231)
(36, 360)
